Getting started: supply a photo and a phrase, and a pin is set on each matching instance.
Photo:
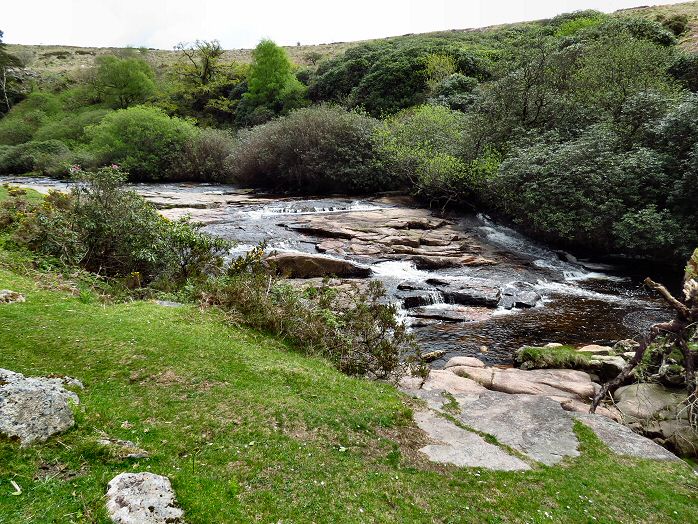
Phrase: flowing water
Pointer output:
(581, 302)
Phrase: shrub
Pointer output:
(426, 146)
(316, 149)
(70, 129)
(204, 157)
(122, 82)
(51, 157)
(143, 140)
(353, 329)
(106, 229)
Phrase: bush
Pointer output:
(317, 149)
(106, 229)
(574, 192)
(70, 129)
(143, 140)
(51, 157)
(426, 146)
(387, 76)
(353, 329)
(205, 157)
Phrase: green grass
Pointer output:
(249, 431)
(32, 195)
(561, 357)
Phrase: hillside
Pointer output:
(60, 60)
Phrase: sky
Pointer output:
(162, 24)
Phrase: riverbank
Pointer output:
(463, 283)
(249, 431)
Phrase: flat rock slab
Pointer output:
(463, 448)
(142, 498)
(533, 425)
(32, 409)
(622, 440)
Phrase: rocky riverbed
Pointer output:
(465, 285)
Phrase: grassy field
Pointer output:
(48, 60)
(250, 431)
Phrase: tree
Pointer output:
(203, 59)
(272, 88)
(7, 61)
(124, 81)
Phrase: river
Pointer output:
(422, 257)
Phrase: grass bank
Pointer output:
(249, 431)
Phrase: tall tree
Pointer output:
(124, 81)
(272, 87)
(7, 61)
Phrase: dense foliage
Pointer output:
(315, 149)
(581, 128)
(107, 229)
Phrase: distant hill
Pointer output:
(50, 60)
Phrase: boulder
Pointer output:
(641, 402)
(470, 295)
(594, 349)
(10, 297)
(142, 498)
(464, 361)
(622, 440)
(303, 265)
(32, 409)
(445, 380)
(449, 313)
(519, 294)
(606, 367)
(564, 383)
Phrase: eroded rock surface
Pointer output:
(142, 498)
(32, 409)
(463, 448)
(395, 233)
(303, 265)
(531, 412)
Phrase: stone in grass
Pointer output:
(142, 498)
(32, 409)
(10, 297)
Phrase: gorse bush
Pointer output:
(109, 230)
(312, 150)
(143, 140)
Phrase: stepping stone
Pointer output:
(142, 498)
(463, 448)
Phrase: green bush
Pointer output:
(51, 157)
(109, 230)
(354, 329)
(387, 76)
(70, 129)
(316, 149)
(205, 157)
(426, 146)
(143, 140)
(122, 82)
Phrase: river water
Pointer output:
(580, 302)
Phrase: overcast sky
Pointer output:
(164, 23)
